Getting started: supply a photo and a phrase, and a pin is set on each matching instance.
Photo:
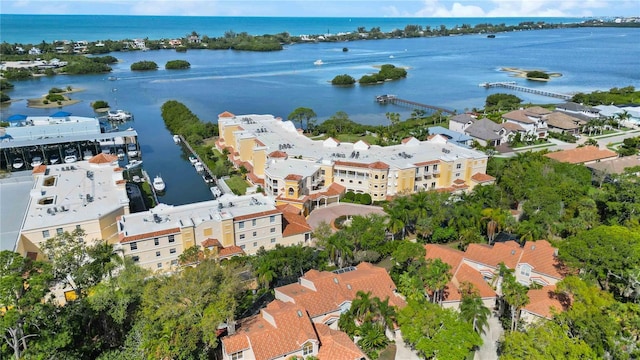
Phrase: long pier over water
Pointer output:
(512, 85)
(392, 99)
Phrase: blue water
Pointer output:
(442, 71)
(36, 28)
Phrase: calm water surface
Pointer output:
(442, 71)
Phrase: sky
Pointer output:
(330, 8)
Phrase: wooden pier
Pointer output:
(392, 99)
(512, 85)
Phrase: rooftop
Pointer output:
(14, 200)
(582, 155)
(616, 166)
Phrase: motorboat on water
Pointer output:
(36, 161)
(133, 164)
(118, 115)
(87, 155)
(176, 139)
(193, 159)
(17, 163)
(158, 183)
(132, 150)
(54, 159)
(318, 62)
(70, 159)
(199, 166)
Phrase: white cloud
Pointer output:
(526, 8)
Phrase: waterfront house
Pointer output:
(579, 110)
(486, 132)
(309, 173)
(460, 122)
(34, 51)
(583, 155)
(532, 120)
(564, 123)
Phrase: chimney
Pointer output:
(231, 326)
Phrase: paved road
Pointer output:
(332, 211)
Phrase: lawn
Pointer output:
(389, 353)
(237, 184)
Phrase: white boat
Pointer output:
(132, 150)
(70, 159)
(18, 163)
(193, 159)
(36, 161)
(120, 154)
(158, 183)
(87, 155)
(54, 159)
(176, 139)
(118, 115)
(318, 62)
(199, 166)
(133, 163)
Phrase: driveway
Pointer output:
(403, 351)
(332, 211)
(489, 348)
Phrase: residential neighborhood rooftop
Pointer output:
(582, 155)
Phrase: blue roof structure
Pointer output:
(459, 138)
(60, 114)
(16, 117)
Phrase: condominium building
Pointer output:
(230, 225)
(309, 173)
(89, 195)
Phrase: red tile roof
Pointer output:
(288, 208)
(103, 158)
(255, 179)
(467, 274)
(278, 154)
(256, 215)
(293, 177)
(379, 165)
(211, 242)
(458, 182)
(448, 255)
(542, 258)
(259, 143)
(582, 155)
(230, 251)
(406, 140)
(481, 178)
(226, 114)
(508, 252)
(425, 163)
(294, 224)
(126, 239)
(40, 169)
(374, 165)
(336, 345)
(542, 301)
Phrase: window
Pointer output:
(241, 225)
(135, 258)
(45, 234)
(435, 167)
(172, 238)
(237, 356)
(272, 218)
(307, 349)
(273, 230)
(457, 174)
(273, 240)
(172, 251)
(78, 227)
(242, 247)
(157, 253)
(459, 166)
(59, 231)
(241, 236)
(255, 244)
(525, 270)
(133, 246)
(433, 184)
(156, 241)
(375, 177)
(253, 222)
(291, 191)
(159, 265)
(255, 233)
(174, 262)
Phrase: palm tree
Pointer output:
(386, 314)
(437, 275)
(363, 307)
(473, 311)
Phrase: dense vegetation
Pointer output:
(343, 79)
(177, 64)
(501, 101)
(387, 72)
(615, 96)
(4, 97)
(5, 85)
(144, 65)
(16, 74)
(99, 104)
(536, 74)
(180, 120)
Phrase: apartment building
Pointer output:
(309, 173)
(230, 225)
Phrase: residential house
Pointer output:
(543, 304)
(532, 120)
(579, 110)
(460, 122)
(302, 321)
(616, 166)
(35, 51)
(486, 132)
(583, 155)
(564, 123)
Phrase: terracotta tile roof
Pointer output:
(280, 329)
(331, 290)
(278, 154)
(448, 255)
(336, 345)
(256, 215)
(247, 165)
(211, 242)
(542, 258)
(119, 182)
(103, 158)
(512, 126)
(425, 163)
(226, 114)
(468, 274)
(288, 208)
(541, 301)
(255, 179)
(40, 169)
(582, 154)
(536, 111)
(294, 224)
(126, 239)
(335, 189)
(378, 165)
(518, 116)
(481, 178)
(406, 140)
(230, 251)
(351, 164)
(293, 177)
(259, 143)
(458, 181)
(508, 252)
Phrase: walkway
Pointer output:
(489, 348)
(332, 211)
(403, 351)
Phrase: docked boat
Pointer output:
(158, 183)
(199, 166)
(193, 159)
(118, 115)
(87, 155)
(54, 159)
(132, 150)
(133, 164)
(70, 159)
(176, 139)
(318, 62)
(18, 163)
(36, 161)
(120, 154)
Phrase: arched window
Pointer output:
(307, 349)
(291, 192)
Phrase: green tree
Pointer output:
(436, 277)
(514, 294)
(472, 309)
(343, 79)
(302, 114)
(144, 65)
(544, 340)
(177, 64)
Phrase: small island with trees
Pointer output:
(56, 97)
(144, 66)
(532, 74)
(387, 72)
(177, 65)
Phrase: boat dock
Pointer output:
(512, 85)
(206, 169)
(392, 99)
